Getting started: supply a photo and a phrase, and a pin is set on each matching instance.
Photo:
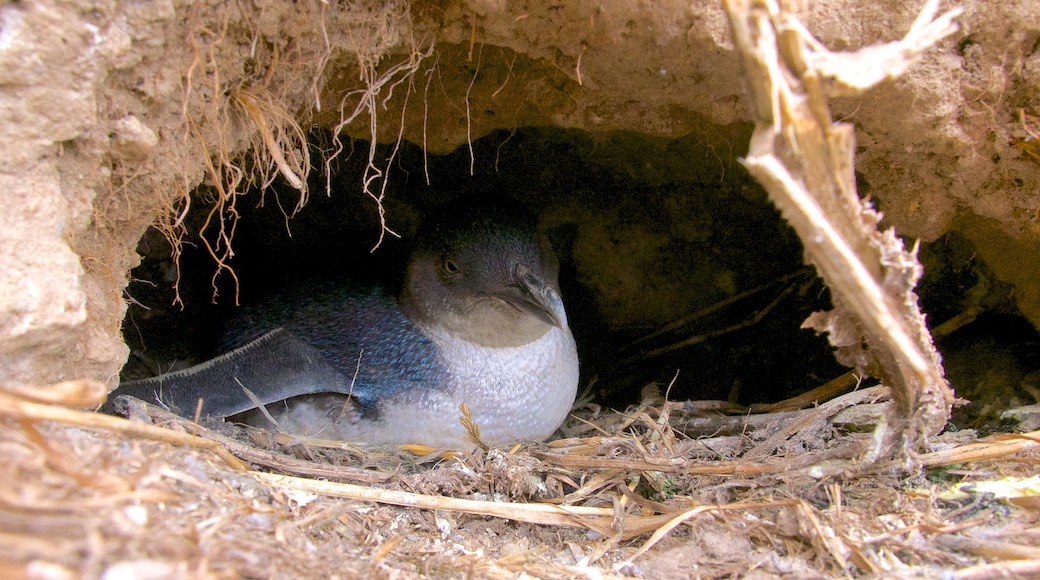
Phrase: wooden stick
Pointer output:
(824, 392)
(988, 448)
(999, 570)
(13, 406)
(592, 518)
(264, 457)
(988, 548)
(805, 162)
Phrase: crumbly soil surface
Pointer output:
(113, 114)
(616, 495)
(119, 116)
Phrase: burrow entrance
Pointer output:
(676, 269)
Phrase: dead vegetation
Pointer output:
(805, 161)
(663, 489)
(620, 494)
(243, 114)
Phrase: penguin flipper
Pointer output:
(273, 367)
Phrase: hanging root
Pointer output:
(378, 86)
(244, 127)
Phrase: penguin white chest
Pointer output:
(516, 393)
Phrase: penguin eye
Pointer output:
(450, 266)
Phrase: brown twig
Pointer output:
(13, 406)
(805, 162)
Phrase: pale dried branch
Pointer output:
(870, 65)
(594, 518)
(805, 163)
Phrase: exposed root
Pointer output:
(245, 128)
(285, 145)
(469, 117)
(378, 89)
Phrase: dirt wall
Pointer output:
(112, 113)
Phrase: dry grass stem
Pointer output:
(636, 478)
(830, 484)
(13, 406)
(805, 162)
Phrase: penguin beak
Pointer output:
(531, 294)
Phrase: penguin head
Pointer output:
(482, 272)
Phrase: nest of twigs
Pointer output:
(644, 492)
(842, 481)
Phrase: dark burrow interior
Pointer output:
(675, 267)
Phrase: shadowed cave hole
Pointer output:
(651, 233)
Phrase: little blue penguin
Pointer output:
(479, 321)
